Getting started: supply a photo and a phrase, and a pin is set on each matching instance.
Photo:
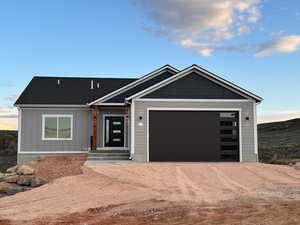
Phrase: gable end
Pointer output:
(121, 97)
(194, 86)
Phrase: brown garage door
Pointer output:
(193, 136)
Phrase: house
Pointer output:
(166, 115)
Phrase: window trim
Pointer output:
(56, 116)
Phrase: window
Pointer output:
(57, 127)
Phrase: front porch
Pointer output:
(110, 139)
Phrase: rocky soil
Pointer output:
(163, 193)
(19, 178)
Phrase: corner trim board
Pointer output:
(255, 130)
(19, 129)
(132, 127)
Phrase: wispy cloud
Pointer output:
(201, 26)
(284, 44)
(7, 85)
(273, 116)
(11, 98)
(277, 33)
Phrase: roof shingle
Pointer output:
(69, 91)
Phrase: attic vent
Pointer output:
(98, 85)
(58, 82)
(92, 84)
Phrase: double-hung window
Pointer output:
(57, 127)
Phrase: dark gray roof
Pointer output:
(121, 97)
(70, 91)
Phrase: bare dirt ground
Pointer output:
(53, 167)
(163, 193)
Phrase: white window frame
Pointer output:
(56, 116)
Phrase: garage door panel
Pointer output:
(185, 136)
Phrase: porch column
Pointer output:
(94, 111)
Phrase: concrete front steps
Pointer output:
(112, 155)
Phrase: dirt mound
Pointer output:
(132, 188)
(53, 167)
(246, 212)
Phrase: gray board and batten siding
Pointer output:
(194, 86)
(247, 132)
(32, 144)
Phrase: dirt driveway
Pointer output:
(113, 189)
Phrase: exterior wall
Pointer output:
(32, 145)
(247, 127)
(31, 130)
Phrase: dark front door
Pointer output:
(114, 131)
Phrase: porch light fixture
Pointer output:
(140, 117)
(247, 118)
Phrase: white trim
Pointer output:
(255, 130)
(56, 116)
(190, 100)
(19, 129)
(198, 109)
(50, 105)
(113, 148)
(132, 128)
(68, 109)
(103, 130)
(53, 152)
(113, 104)
(133, 84)
(201, 72)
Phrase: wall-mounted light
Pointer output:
(140, 117)
(247, 118)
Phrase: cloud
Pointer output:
(277, 33)
(12, 98)
(7, 85)
(204, 24)
(284, 44)
(206, 49)
(273, 116)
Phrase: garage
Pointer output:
(190, 135)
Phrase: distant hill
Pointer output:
(275, 141)
(8, 149)
(279, 140)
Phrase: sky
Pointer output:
(252, 43)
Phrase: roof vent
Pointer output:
(92, 84)
(58, 82)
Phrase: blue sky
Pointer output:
(253, 43)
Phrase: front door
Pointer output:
(114, 131)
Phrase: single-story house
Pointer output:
(166, 115)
